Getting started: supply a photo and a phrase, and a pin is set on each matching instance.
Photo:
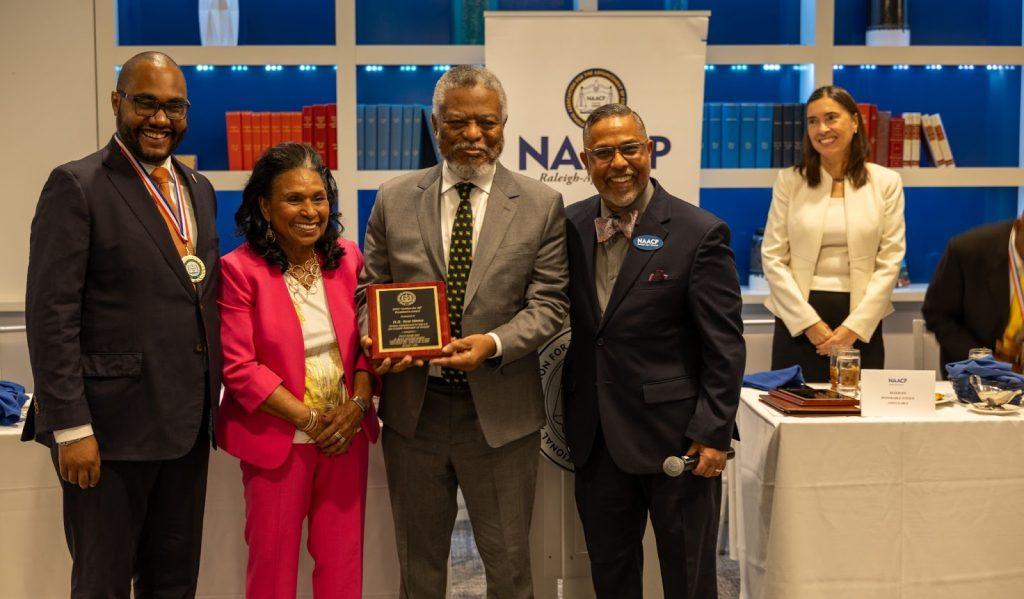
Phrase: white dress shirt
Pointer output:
(449, 206)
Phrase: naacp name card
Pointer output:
(896, 393)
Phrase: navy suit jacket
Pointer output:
(118, 336)
(664, 366)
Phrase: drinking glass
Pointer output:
(833, 368)
(978, 353)
(848, 365)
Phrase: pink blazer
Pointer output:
(263, 348)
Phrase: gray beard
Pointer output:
(470, 171)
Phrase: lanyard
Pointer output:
(176, 217)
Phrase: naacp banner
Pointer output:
(557, 67)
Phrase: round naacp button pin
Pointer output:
(648, 243)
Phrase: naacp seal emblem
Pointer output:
(406, 298)
(552, 437)
(591, 89)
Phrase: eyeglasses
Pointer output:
(607, 153)
(147, 106)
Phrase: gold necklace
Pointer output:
(302, 279)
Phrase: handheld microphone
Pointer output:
(674, 466)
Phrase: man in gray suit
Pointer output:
(470, 419)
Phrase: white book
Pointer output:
(908, 137)
(940, 133)
(934, 147)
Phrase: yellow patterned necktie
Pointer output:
(460, 260)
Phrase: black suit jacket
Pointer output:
(663, 367)
(118, 336)
(968, 300)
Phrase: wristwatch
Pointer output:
(360, 401)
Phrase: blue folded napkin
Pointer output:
(12, 398)
(773, 379)
(990, 371)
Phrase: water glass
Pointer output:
(848, 365)
(978, 353)
(833, 366)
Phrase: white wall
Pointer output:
(48, 106)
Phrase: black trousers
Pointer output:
(142, 524)
(613, 507)
(833, 307)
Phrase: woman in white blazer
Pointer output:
(834, 242)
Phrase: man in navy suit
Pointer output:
(655, 365)
(124, 340)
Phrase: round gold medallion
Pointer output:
(194, 268)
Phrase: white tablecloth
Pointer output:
(34, 560)
(849, 507)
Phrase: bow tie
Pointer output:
(608, 226)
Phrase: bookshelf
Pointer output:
(810, 45)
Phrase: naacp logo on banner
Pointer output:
(590, 90)
(552, 436)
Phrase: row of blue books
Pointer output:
(394, 137)
(752, 135)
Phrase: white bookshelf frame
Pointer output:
(817, 50)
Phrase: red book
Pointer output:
(320, 130)
(234, 137)
(276, 128)
(264, 134)
(896, 128)
(869, 116)
(332, 136)
(307, 125)
(296, 126)
(882, 135)
(247, 141)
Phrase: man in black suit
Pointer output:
(124, 340)
(654, 368)
(968, 300)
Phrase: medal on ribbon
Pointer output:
(194, 266)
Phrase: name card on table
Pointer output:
(895, 393)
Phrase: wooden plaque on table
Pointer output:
(809, 397)
(408, 319)
(794, 409)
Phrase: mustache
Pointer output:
(491, 153)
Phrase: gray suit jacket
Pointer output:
(516, 289)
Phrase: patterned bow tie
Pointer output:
(608, 226)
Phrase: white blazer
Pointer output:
(875, 236)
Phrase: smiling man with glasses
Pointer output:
(124, 340)
(654, 367)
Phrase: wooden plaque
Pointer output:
(408, 319)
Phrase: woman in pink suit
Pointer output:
(296, 408)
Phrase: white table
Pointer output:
(849, 507)
(34, 560)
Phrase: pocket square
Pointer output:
(658, 275)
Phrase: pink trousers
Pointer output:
(331, 493)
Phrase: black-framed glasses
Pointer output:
(147, 106)
(607, 153)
